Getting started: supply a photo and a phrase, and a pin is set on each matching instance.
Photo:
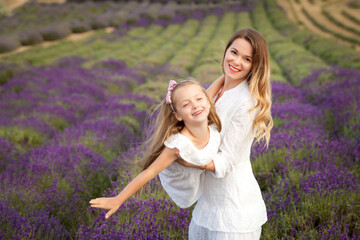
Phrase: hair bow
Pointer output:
(172, 84)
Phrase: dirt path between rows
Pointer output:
(12, 4)
(315, 10)
(71, 37)
(294, 12)
(335, 10)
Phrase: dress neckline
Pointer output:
(199, 149)
(228, 91)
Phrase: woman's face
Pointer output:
(238, 60)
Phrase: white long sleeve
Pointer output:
(236, 136)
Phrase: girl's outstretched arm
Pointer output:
(215, 87)
(113, 203)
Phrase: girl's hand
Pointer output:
(167, 157)
(111, 203)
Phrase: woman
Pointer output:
(232, 206)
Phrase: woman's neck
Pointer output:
(229, 83)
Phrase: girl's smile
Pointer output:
(197, 113)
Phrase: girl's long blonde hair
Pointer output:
(166, 124)
(258, 80)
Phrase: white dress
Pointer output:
(185, 185)
(231, 206)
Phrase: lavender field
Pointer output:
(73, 117)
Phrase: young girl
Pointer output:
(187, 126)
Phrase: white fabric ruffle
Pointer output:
(190, 153)
(185, 185)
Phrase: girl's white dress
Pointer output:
(185, 185)
(231, 206)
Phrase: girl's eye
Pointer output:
(199, 99)
(233, 52)
(185, 105)
(248, 59)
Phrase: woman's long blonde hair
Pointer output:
(258, 80)
(166, 124)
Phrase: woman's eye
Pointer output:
(199, 99)
(248, 59)
(233, 52)
(185, 105)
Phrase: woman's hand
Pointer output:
(111, 203)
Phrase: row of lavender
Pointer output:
(290, 173)
(153, 42)
(47, 196)
(64, 133)
(51, 24)
(315, 169)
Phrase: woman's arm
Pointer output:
(237, 137)
(215, 87)
(113, 203)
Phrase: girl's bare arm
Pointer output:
(113, 203)
(210, 166)
(215, 87)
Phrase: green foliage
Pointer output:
(153, 89)
(3, 11)
(296, 62)
(51, 33)
(266, 166)
(8, 44)
(314, 210)
(23, 138)
(208, 65)
(7, 73)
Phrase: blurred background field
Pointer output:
(79, 78)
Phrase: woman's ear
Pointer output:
(177, 116)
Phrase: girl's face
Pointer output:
(238, 60)
(191, 104)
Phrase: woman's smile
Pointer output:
(234, 69)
